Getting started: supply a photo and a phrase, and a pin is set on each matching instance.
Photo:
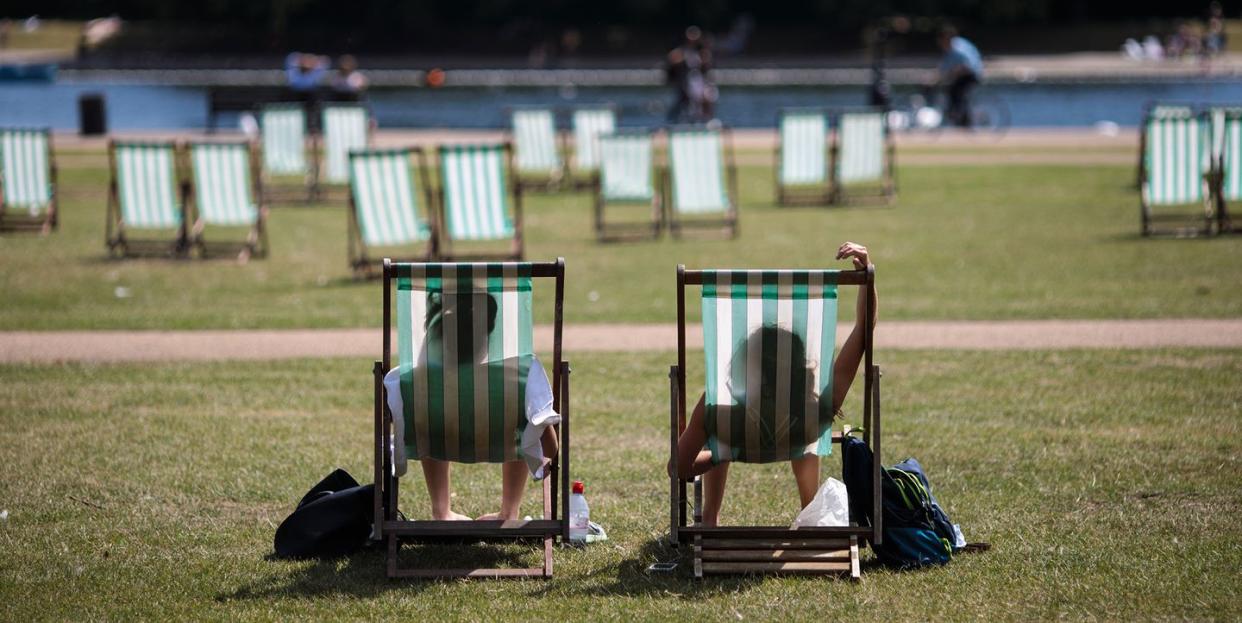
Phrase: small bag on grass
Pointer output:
(333, 519)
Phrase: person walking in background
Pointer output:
(305, 72)
(960, 70)
(688, 69)
(347, 80)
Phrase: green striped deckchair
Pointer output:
(1175, 168)
(1156, 111)
(768, 346)
(589, 124)
(537, 157)
(1227, 155)
(701, 181)
(384, 205)
(626, 178)
(226, 194)
(284, 139)
(861, 154)
(27, 179)
(145, 195)
(476, 200)
(802, 157)
(346, 127)
(465, 349)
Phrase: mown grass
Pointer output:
(970, 242)
(1106, 482)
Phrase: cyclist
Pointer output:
(961, 68)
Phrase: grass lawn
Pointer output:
(967, 242)
(1106, 481)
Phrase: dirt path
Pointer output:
(122, 346)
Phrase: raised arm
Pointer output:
(851, 354)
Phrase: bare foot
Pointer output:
(493, 517)
(452, 517)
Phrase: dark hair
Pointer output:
(770, 334)
(947, 31)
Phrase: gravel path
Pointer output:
(132, 346)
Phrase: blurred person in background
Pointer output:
(687, 69)
(347, 80)
(960, 70)
(305, 72)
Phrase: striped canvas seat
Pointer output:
(861, 145)
(534, 142)
(384, 199)
(223, 186)
(146, 181)
(1177, 156)
(465, 350)
(589, 125)
(1227, 149)
(625, 171)
(25, 170)
(475, 192)
(284, 139)
(697, 168)
(803, 148)
(344, 130)
(769, 338)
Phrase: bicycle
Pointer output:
(924, 111)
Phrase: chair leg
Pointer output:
(393, 547)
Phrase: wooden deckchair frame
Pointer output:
(310, 180)
(319, 150)
(121, 245)
(1148, 219)
(555, 180)
(49, 220)
(810, 194)
(726, 225)
(887, 188)
(256, 239)
(444, 244)
(578, 179)
(629, 230)
(754, 549)
(360, 262)
(392, 530)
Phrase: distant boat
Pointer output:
(28, 72)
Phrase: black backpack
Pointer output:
(333, 519)
(916, 530)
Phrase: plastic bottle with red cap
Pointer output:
(579, 514)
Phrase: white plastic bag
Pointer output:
(831, 507)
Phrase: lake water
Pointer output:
(147, 107)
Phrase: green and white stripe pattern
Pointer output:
(589, 125)
(860, 153)
(534, 138)
(804, 141)
(696, 160)
(24, 169)
(465, 349)
(384, 198)
(1227, 143)
(284, 139)
(147, 185)
(769, 339)
(476, 203)
(625, 174)
(1178, 149)
(344, 130)
(222, 183)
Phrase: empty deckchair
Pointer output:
(769, 339)
(1227, 159)
(1155, 111)
(345, 127)
(465, 357)
(145, 196)
(700, 186)
(625, 181)
(589, 124)
(227, 195)
(862, 156)
(283, 127)
(27, 180)
(1175, 175)
(537, 156)
(383, 206)
(478, 204)
(802, 157)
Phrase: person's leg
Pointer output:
(513, 487)
(713, 493)
(806, 475)
(436, 473)
(956, 113)
(694, 460)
